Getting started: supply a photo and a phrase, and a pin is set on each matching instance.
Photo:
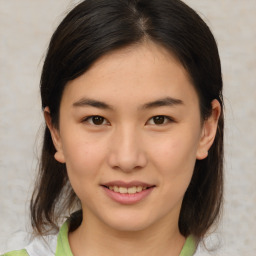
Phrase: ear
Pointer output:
(209, 131)
(59, 156)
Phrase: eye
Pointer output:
(160, 120)
(96, 120)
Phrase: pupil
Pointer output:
(98, 120)
(159, 119)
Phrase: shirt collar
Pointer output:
(63, 247)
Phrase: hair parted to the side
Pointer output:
(96, 27)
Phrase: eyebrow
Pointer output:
(167, 101)
(92, 103)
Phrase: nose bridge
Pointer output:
(127, 151)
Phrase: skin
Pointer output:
(129, 145)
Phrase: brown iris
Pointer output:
(98, 120)
(159, 119)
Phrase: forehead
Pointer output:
(136, 73)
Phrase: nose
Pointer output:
(126, 151)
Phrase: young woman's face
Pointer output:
(130, 133)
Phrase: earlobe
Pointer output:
(209, 131)
(59, 156)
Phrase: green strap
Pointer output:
(189, 247)
(63, 247)
(16, 253)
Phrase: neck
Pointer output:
(94, 238)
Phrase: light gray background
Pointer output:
(25, 29)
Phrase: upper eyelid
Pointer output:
(168, 117)
(85, 119)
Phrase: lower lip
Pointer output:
(128, 198)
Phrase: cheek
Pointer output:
(83, 164)
(83, 158)
(175, 160)
(178, 151)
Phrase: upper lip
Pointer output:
(124, 184)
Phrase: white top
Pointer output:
(42, 246)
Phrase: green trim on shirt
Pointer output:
(16, 253)
(189, 247)
(63, 248)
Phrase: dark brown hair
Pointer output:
(96, 27)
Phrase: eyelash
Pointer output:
(167, 119)
(91, 117)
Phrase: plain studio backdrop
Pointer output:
(25, 30)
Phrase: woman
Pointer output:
(133, 146)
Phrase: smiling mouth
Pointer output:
(129, 190)
(128, 193)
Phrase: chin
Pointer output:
(129, 222)
(128, 226)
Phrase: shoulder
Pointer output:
(47, 245)
(40, 246)
(16, 253)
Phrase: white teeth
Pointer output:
(132, 190)
(123, 190)
(138, 189)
